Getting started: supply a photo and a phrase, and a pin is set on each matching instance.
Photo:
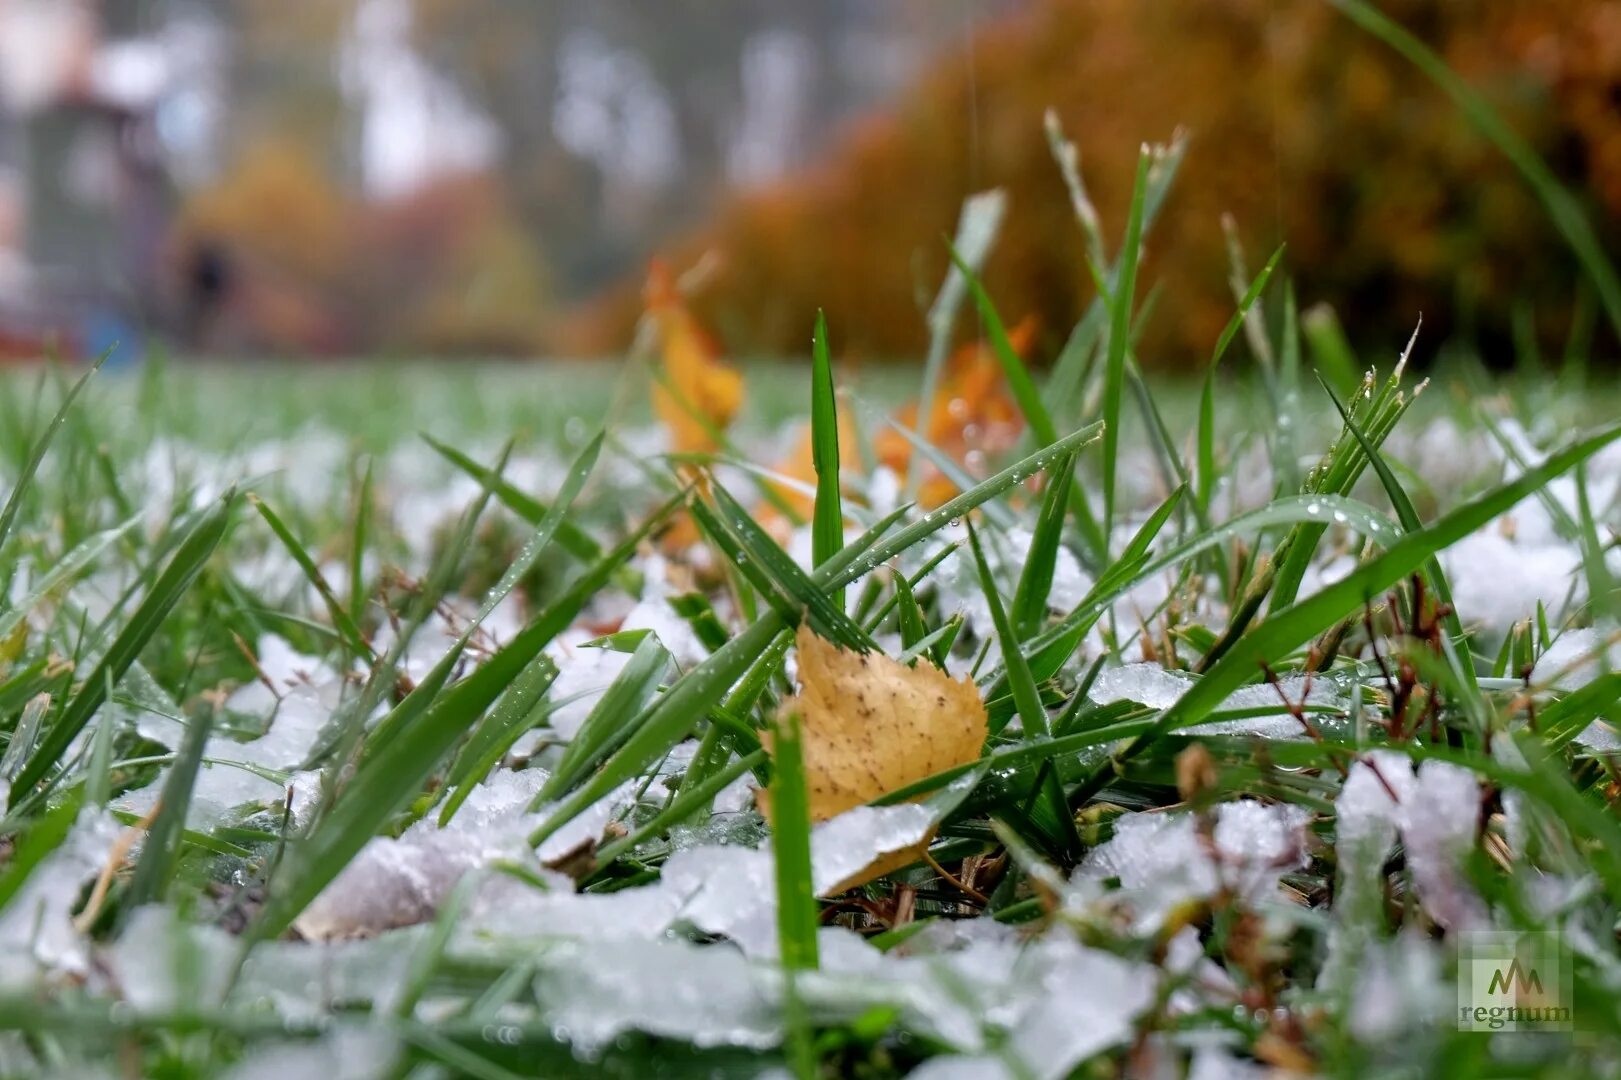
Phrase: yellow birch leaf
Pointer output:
(871, 725)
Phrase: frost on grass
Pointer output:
(1164, 861)
(679, 940)
(37, 931)
(399, 881)
(1158, 688)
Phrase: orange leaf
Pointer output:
(800, 465)
(973, 411)
(699, 394)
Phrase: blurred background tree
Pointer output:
(1301, 128)
(490, 176)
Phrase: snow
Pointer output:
(1399, 988)
(1437, 813)
(401, 881)
(160, 964)
(592, 993)
(37, 922)
(345, 1053)
(1577, 657)
(1057, 1003)
(297, 704)
(304, 982)
(1162, 861)
(1156, 687)
(1498, 581)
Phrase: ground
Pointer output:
(327, 749)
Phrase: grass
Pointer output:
(438, 756)
(168, 636)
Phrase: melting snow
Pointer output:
(1162, 861)
(1156, 687)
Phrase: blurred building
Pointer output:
(88, 130)
(328, 176)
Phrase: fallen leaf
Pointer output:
(973, 411)
(699, 394)
(800, 465)
(871, 725)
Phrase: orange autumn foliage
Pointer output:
(973, 414)
(800, 466)
(698, 394)
(1301, 126)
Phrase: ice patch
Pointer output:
(1158, 688)
(38, 920)
(1436, 812)
(1162, 861)
(346, 1053)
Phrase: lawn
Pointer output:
(385, 720)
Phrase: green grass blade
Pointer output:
(1029, 609)
(1293, 626)
(764, 554)
(1601, 594)
(908, 616)
(1330, 351)
(509, 718)
(611, 719)
(161, 852)
(827, 521)
(691, 799)
(66, 569)
(357, 544)
(570, 537)
(170, 585)
(977, 227)
(1563, 720)
(1025, 694)
(43, 835)
(1114, 372)
(954, 509)
(1013, 369)
(25, 478)
(1205, 477)
(340, 618)
(791, 845)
